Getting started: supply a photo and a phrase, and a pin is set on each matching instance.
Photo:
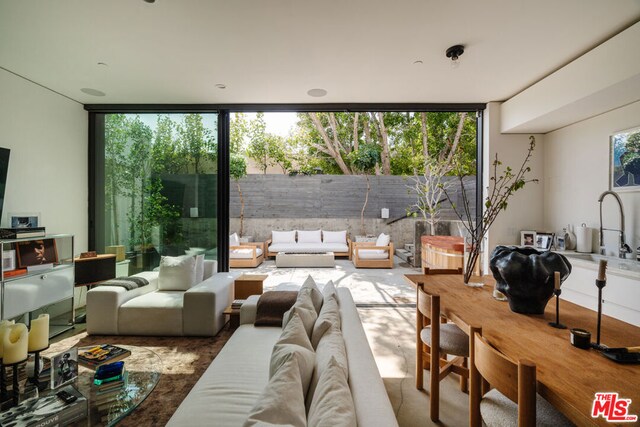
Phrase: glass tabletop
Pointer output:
(143, 369)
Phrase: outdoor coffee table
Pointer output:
(320, 259)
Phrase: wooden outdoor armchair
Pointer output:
(362, 261)
(257, 256)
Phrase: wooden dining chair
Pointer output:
(434, 340)
(513, 399)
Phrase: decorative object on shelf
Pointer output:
(584, 239)
(601, 282)
(36, 252)
(544, 241)
(580, 338)
(502, 185)
(478, 270)
(22, 233)
(38, 342)
(93, 357)
(88, 254)
(557, 291)
(570, 238)
(525, 276)
(527, 238)
(25, 220)
(624, 168)
(64, 367)
(9, 260)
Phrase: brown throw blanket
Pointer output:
(272, 305)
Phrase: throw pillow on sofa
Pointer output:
(283, 237)
(234, 240)
(329, 289)
(332, 404)
(199, 277)
(176, 273)
(329, 315)
(309, 236)
(334, 236)
(331, 345)
(316, 295)
(305, 309)
(294, 340)
(382, 240)
(281, 402)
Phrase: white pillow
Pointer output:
(199, 276)
(383, 240)
(331, 345)
(332, 403)
(309, 236)
(283, 237)
(281, 401)
(294, 340)
(329, 315)
(234, 240)
(334, 236)
(305, 309)
(329, 289)
(316, 295)
(176, 273)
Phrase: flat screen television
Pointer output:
(4, 168)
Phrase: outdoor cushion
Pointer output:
(334, 236)
(308, 247)
(372, 254)
(234, 240)
(244, 253)
(309, 236)
(283, 237)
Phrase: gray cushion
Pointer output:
(497, 410)
(453, 340)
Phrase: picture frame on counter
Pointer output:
(36, 252)
(544, 241)
(25, 219)
(528, 238)
(624, 170)
(64, 367)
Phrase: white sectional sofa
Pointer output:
(315, 241)
(147, 310)
(229, 388)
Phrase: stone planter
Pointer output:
(525, 276)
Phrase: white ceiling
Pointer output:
(175, 51)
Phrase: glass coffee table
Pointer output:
(143, 368)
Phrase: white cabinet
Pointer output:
(25, 291)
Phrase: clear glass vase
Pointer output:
(474, 262)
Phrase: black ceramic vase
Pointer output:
(525, 276)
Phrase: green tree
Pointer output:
(238, 132)
(257, 150)
(238, 170)
(116, 137)
(166, 152)
(197, 143)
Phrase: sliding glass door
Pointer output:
(155, 186)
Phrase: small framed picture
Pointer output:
(9, 260)
(560, 244)
(64, 367)
(527, 238)
(35, 252)
(544, 241)
(24, 220)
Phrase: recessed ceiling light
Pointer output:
(221, 86)
(92, 92)
(316, 93)
(418, 62)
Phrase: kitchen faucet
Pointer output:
(623, 249)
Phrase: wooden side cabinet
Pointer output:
(248, 284)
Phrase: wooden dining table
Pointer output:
(568, 377)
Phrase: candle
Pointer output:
(39, 333)
(601, 270)
(16, 342)
(4, 327)
(556, 279)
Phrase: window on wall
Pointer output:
(156, 185)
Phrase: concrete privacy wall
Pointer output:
(330, 197)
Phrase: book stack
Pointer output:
(237, 303)
(109, 392)
(48, 410)
(93, 357)
(22, 233)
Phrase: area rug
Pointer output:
(184, 360)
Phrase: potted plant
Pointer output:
(502, 184)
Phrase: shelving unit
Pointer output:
(31, 291)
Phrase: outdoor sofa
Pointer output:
(315, 241)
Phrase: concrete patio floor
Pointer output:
(386, 304)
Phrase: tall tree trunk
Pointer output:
(384, 141)
(241, 209)
(456, 139)
(425, 142)
(356, 143)
(367, 130)
(366, 200)
(330, 148)
(114, 209)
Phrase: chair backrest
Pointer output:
(517, 381)
(427, 304)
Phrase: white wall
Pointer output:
(576, 162)
(47, 135)
(525, 208)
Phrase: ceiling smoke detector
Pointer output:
(455, 52)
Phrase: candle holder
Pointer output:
(15, 392)
(35, 379)
(557, 323)
(5, 398)
(600, 284)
